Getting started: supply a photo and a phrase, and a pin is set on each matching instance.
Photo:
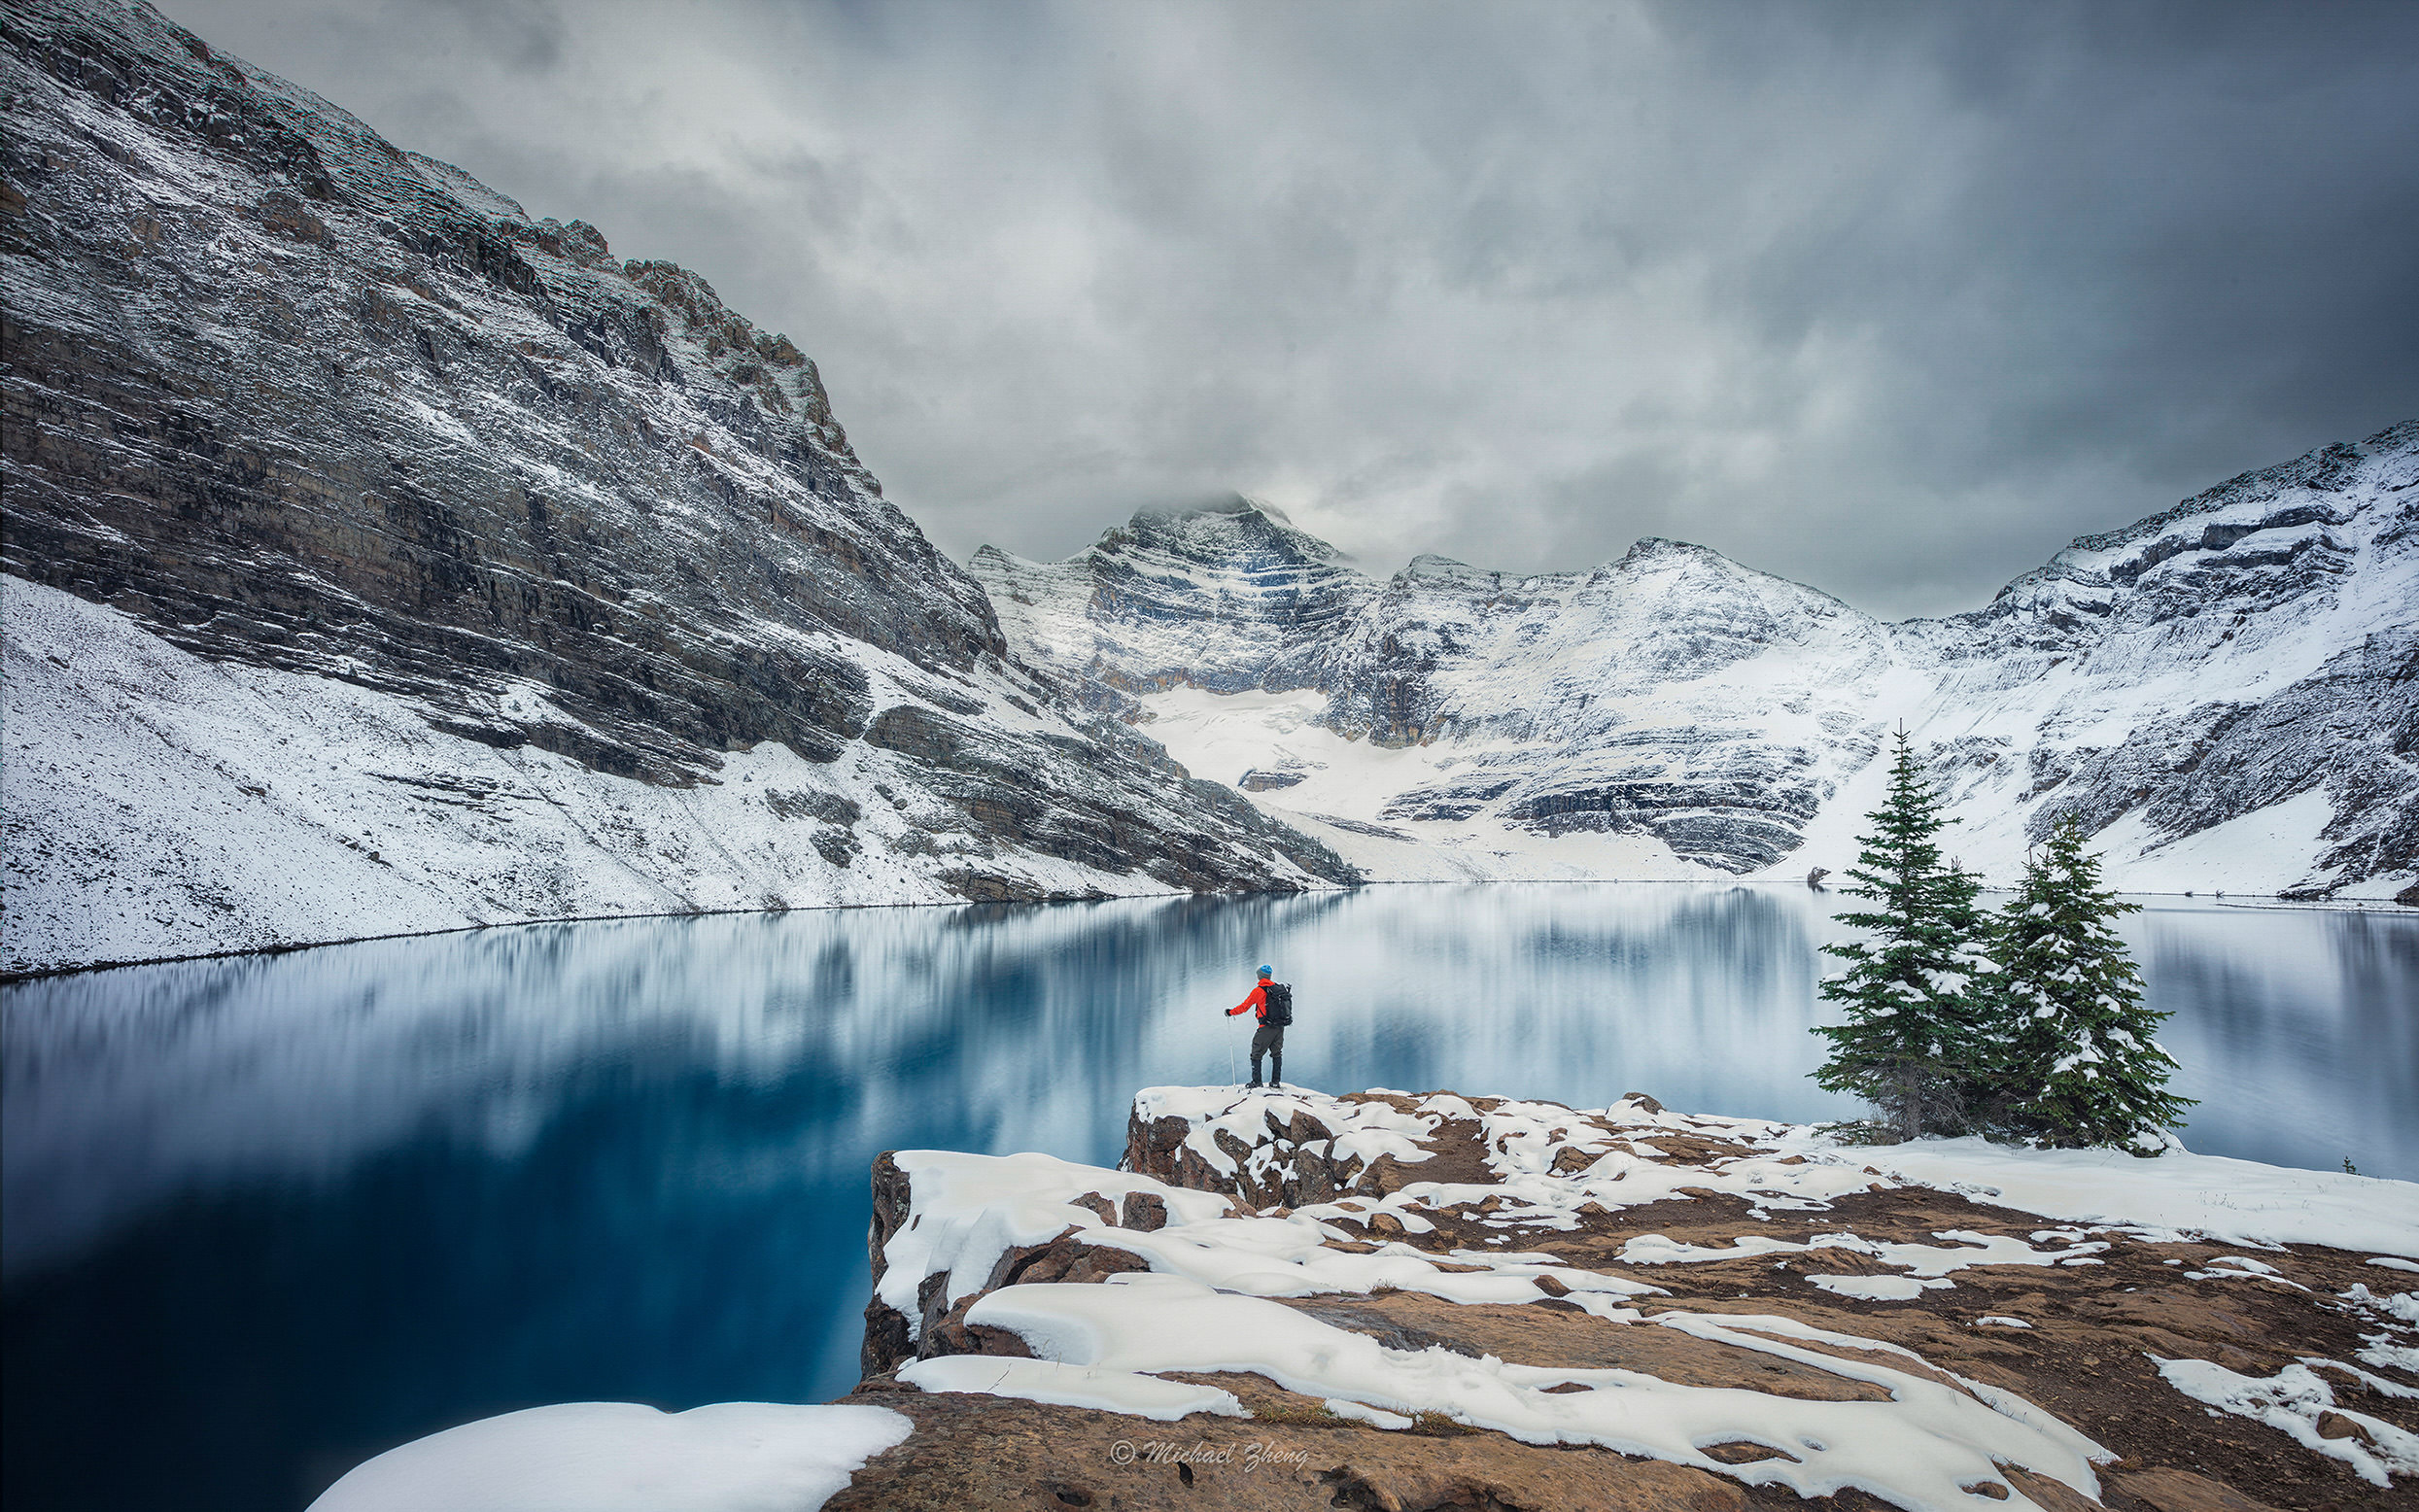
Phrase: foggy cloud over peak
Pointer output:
(1892, 299)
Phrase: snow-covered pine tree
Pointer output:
(2078, 1062)
(1911, 1045)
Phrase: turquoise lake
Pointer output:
(267, 1215)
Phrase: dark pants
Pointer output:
(1270, 1040)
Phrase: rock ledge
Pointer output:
(1433, 1301)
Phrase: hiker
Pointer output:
(1274, 1002)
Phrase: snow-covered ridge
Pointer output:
(2217, 691)
(158, 804)
(380, 559)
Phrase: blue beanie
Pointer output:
(1268, 971)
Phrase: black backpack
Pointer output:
(1280, 1005)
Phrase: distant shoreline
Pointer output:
(2268, 902)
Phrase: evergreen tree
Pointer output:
(1911, 1044)
(2078, 1063)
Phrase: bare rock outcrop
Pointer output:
(1531, 1247)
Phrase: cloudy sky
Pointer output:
(1890, 298)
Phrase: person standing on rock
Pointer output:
(1273, 1002)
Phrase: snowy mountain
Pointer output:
(380, 559)
(2221, 692)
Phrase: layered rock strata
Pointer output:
(474, 507)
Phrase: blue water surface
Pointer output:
(266, 1216)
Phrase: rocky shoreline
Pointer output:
(1439, 1302)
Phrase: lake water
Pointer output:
(268, 1216)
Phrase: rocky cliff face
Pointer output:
(1225, 596)
(303, 406)
(2180, 683)
(2221, 691)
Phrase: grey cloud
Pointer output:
(1891, 298)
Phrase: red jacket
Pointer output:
(1258, 1001)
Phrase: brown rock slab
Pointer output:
(2181, 1490)
(2083, 1358)
(970, 1452)
(2052, 1495)
(1531, 1334)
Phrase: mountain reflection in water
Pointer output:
(267, 1215)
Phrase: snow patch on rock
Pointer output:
(1918, 1448)
(2293, 1401)
(1048, 1381)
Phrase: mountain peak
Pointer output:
(1661, 551)
(1226, 505)
(1231, 529)
(1648, 548)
